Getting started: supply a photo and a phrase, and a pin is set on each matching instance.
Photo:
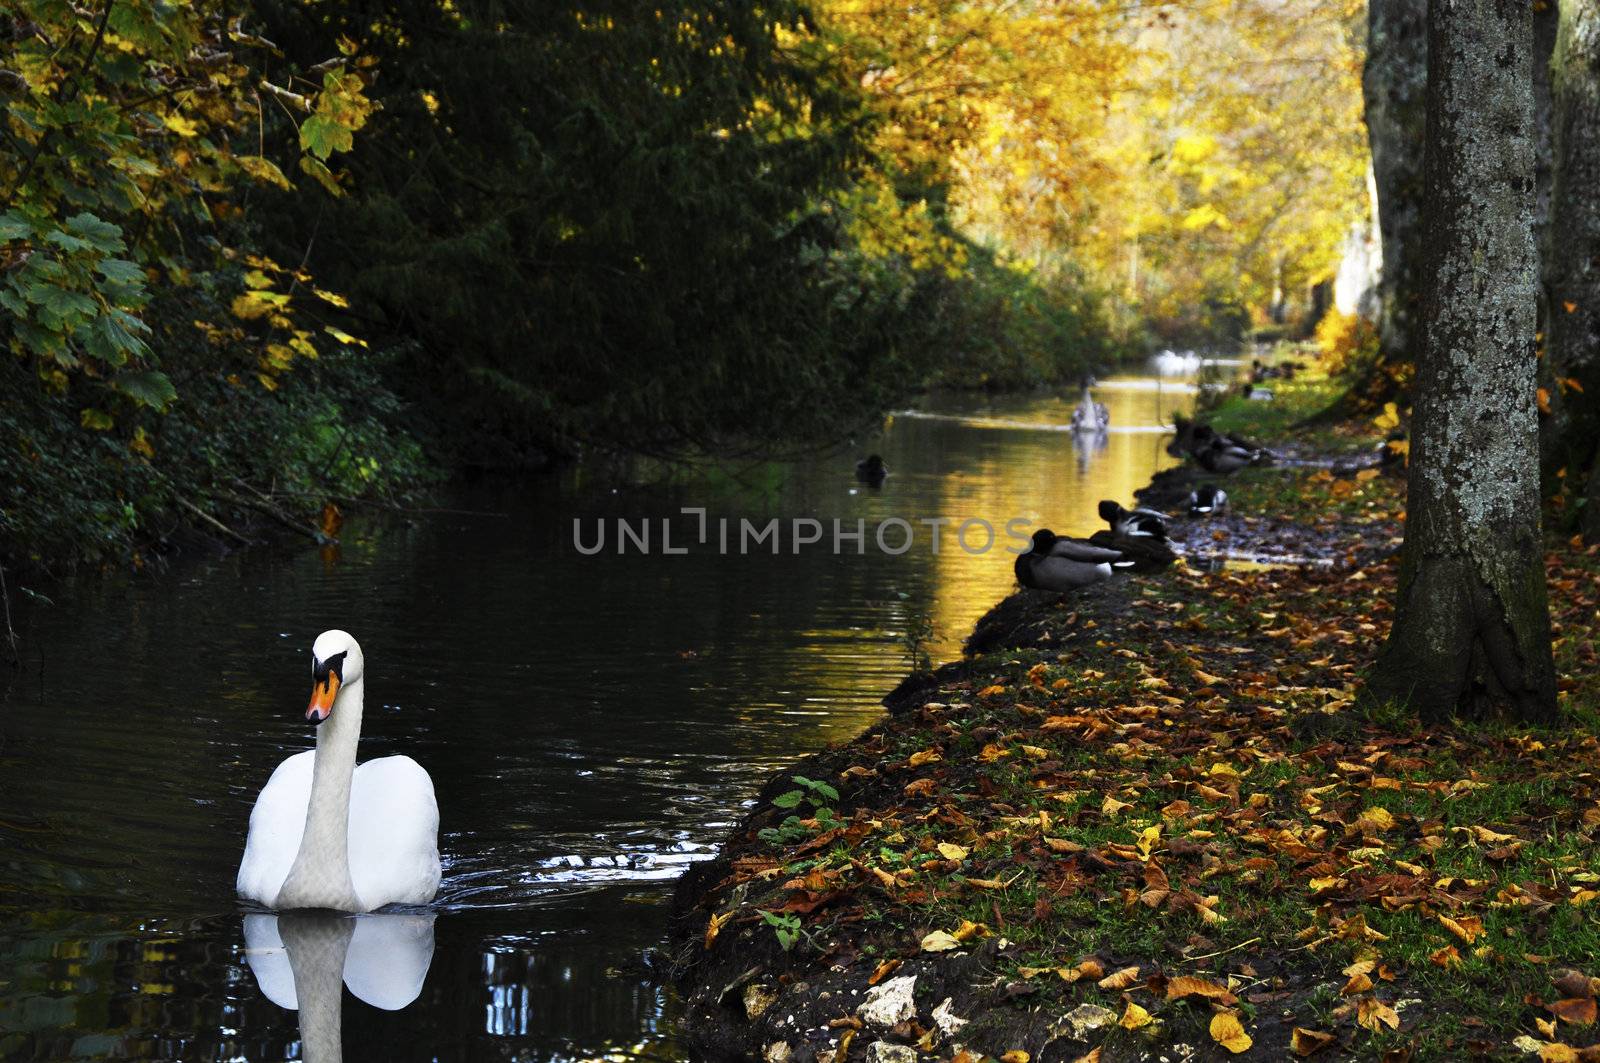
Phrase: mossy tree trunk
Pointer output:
(1393, 88)
(1572, 247)
(1472, 625)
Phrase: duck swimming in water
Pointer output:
(871, 470)
(1058, 564)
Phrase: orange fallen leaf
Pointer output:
(1544, 400)
(1446, 957)
(1186, 985)
(927, 756)
(1359, 983)
(884, 970)
(1303, 1042)
(1120, 979)
(1579, 1011)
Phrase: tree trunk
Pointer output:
(1393, 88)
(1572, 250)
(1472, 623)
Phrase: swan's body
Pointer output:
(1090, 416)
(325, 833)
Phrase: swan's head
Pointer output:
(335, 661)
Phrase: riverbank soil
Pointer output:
(1149, 822)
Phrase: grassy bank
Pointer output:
(1145, 822)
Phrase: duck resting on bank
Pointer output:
(1139, 535)
(1206, 500)
(1133, 522)
(1058, 564)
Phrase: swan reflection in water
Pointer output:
(301, 960)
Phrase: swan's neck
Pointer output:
(320, 875)
(317, 946)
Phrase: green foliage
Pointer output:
(813, 793)
(786, 926)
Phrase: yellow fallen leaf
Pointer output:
(714, 925)
(1468, 928)
(1374, 1014)
(1227, 1032)
(991, 692)
(969, 930)
(940, 941)
(1016, 1055)
(951, 851)
(1366, 474)
(1111, 806)
(1554, 1053)
(1375, 818)
(927, 756)
(1134, 1017)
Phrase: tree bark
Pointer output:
(1572, 247)
(1393, 89)
(1472, 623)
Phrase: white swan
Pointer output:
(327, 834)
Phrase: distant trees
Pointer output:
(1472, 621)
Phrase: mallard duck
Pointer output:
(871, 470)
(1207, 499)
(1143, 553)
(1133, 522)
(1057, 564)
(1223, 457)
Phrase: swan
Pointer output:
(1090, 416)
(327, 834)
(300, 959)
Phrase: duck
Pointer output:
(1220, 456)
(871, 470)
(1207, 499)
(1140, 553)
(1058, 564)
(1133, 523)
(326, 833)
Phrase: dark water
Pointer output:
(591, 725)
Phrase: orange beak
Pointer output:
(323, 692)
